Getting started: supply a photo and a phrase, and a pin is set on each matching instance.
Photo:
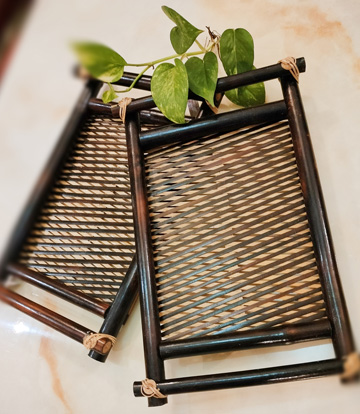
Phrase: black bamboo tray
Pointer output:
(233, 245)
(75, 237)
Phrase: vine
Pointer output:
(171, 82)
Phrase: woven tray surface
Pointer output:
(231, 241)
(84, 233)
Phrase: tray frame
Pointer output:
(114, 314)
(338, 326)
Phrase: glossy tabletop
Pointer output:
(44, 372)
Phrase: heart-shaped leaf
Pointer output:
(183, 35)
(109, 95)
(170, 89)
(236, 51)
(203, 76)
(250, 95)
(100, 61)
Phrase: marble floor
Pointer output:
(42, 371)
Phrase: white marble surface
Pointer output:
(42, 371)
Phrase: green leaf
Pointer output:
(236, 51)
(109, 95)
(183, 35)
(100, 61)
(170, 89)
(250, 95)
(237, 56)
(203, 76)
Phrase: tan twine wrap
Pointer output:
(351, 366)
(83, 73)
(122, 108)
(150, 389)
(289, 63)
(91, 340)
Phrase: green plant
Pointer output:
(171, 82)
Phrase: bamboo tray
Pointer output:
(233, 244)
(75, 238)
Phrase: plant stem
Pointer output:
(135, 80)
(148, 65)
(155, 62)
(201, 46)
